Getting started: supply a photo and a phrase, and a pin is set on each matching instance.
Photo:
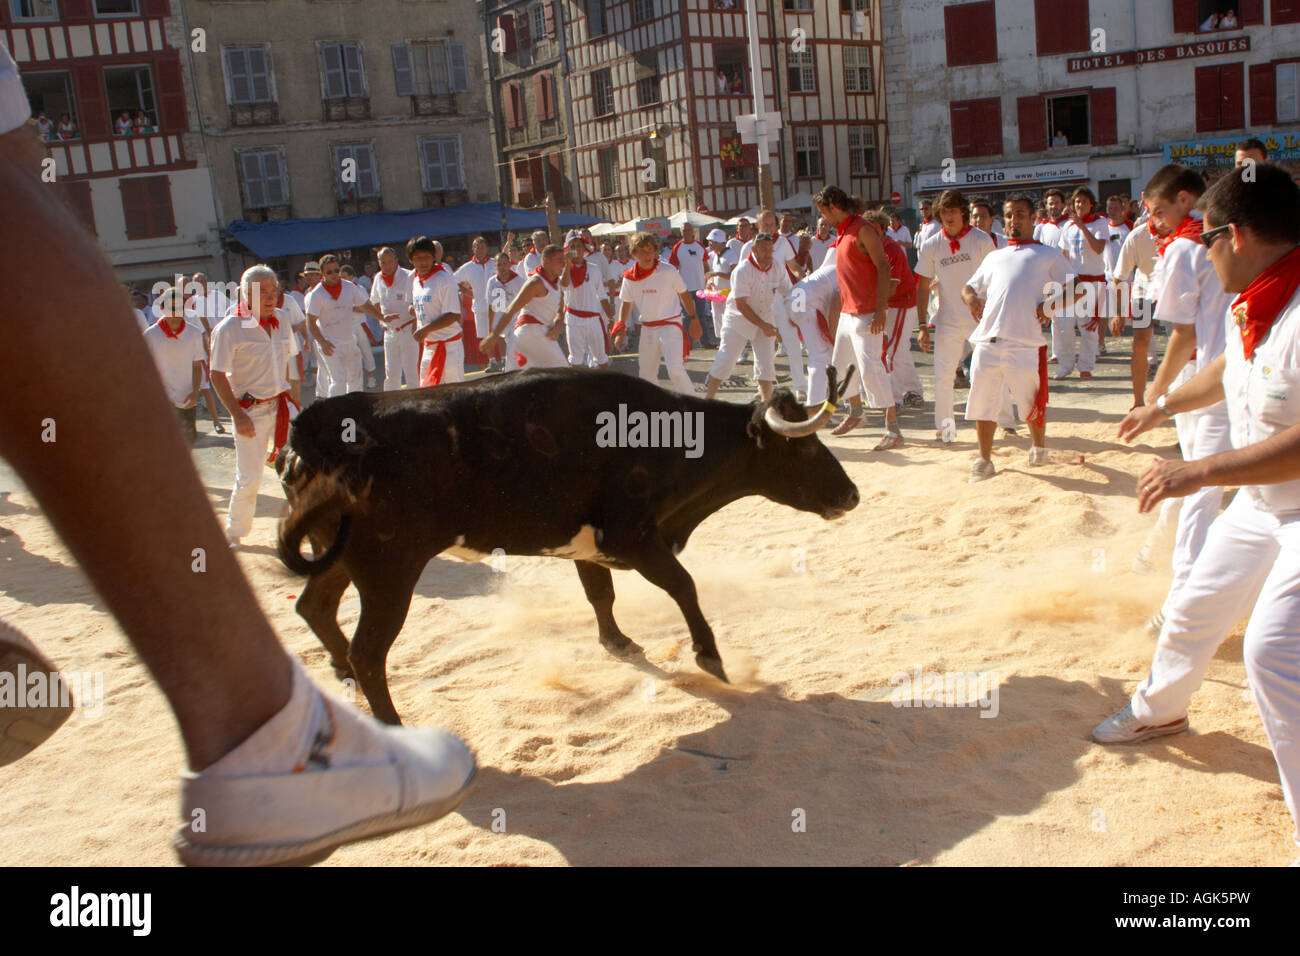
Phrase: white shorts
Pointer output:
(998, 366)
(541, 352)
(586, 336)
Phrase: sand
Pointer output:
(1026, 579)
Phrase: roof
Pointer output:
(290, 237)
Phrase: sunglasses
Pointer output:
(1209, 235)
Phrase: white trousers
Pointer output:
(668, 340)
(736, 334)
(453, 369)
(1201, 436)
(950, 344)
(531, 342)
(899, 327)
(367, 350)
(344, 370)
(819, 358)
(1250, 564)
(586, 337)
(793, 347)
(856, 346)
(401, 359)
(250, 465)
(1081, 312)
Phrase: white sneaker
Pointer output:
(1038, 455)
(233, 542)
(980, 470)
(1061, 373)
(1156, 624)
(1124, 727)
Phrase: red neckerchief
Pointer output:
(1151, 228)
(927, 220)
(388, 279)
(1189, 228)
(167, 329)
(843, 228)
(1058, 220)
(954, 242)
(244, 312)
(1257, 308)
(538, 272)
(636, 273)
(334, 295)
(1022, 242)
(577, 274)
(756, 265)
(428, 275)
(1091, 217)
(483, 260)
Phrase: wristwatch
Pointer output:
(1160, 404)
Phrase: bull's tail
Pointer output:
(318, 501)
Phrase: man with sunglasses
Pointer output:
(1193, 301)
(1250, 563)
(177, 349)
(332, 309)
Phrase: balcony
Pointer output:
(437, 105)
(256, 114)
(268, 214)
(347, 108)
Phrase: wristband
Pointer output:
(1160, 404)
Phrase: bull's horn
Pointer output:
(797, 429)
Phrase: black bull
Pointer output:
(382, 482)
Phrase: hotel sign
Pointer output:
(1002, 177)
(1159, 54)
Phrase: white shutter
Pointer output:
(356, 71)
(253, 186)
(259, 74)
(237, 69)
(403, 74)
(1288, 93)
(438, 76)
(433, 179)
(459, 71)
(332, 66)
(277, 190)
(451, 164)
(367, 175)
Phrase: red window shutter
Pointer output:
(548, 10)
(970, 30)
(1250, 13)
(1207, 99)
(1101, 109)
(557, 176)
(1284, 11)
(508, 105)
(158, 191)
(539, 95)
(75, 10)
(962, 122)
(155, 8)
(550, 96)
(76, 195)
(147, 207)
(523, 188)
(1185, 16)
(92, 101)
(171, 94)
(1062, 26)
(134, 213)
(523, 31)
(1232, 87)
(1031, 113)
(506, 24)
(537, 176)
(1263, 94)
(988, 126)
(1045, 26)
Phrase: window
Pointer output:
(131, 100)
(595, 18)
(850, 6)
(862, 151)
(248, 75)
(512, 96)
(799, 6)
(602, 92)
(608, 171)
(647, 78)
(655, 151)
(1284, 11)
(430, 68)
(441, 163)
(147, 207)
(1067, 120)
(976, 127)
(643, 11)
(117, 8)
(728, 6)
(522, 174)
(34, 9)
(801, 72)
(970, 30)
(342, 70)
(857, 69)
(1288, 93)
(731, 73)
(354, 167)
(1062, 26)
(265, 183)
(544, 96)
(807, 152)
(52, 104)
(1220, 98)
(1206, 16)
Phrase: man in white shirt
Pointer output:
(785, 255)
(534, 257)
(1083, 240)
(749, 318)
(435, 305)
(177, 349)
(690, 257)
(501, 291)
(251, 348)
(1250, 563)
(473, 278)
(1009, 296)
(1048, 232)
(658, 291)
(813, 304)
(822, 242)
(205, 306)
(744, 234)
(928, 226)
(332, 316)
(1135, 292)
(391, 293)
(585, 311)
(948, 259)
(537, 304)
(897, 231)
(1110, 304)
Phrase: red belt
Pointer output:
(526, 319)
(282, 403)
(1090, 278)
(404, 325)
(438, 364)
(686, 343)
(581, 314)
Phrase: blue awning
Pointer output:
(292, 237)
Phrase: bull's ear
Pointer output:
(755, 431)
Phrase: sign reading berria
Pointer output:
(1002, 177)
(1159, 54)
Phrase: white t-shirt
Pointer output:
(586, 297)
(598, 267)
(1263, 397)
(395, 298)
(760, 289)
(530, 262)
(1137, 258)
(821, 246)
(175, 358)
(1115, 242)
(735, 244)
(1192, 295)
(255, 359)
(1083, 261)
(501, 294)
(338, 318)
(950, 271)
(902, 235)
(783, 251)
(1013, 280)
(818, 289)
(1048, 233)
(477, 275)
(690, 263)
(722, 263)
(433, 300)
(926, 229)
(656, 296)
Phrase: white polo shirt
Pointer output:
(337, 318)
(1012, 281)
(530, 262)
(902, 235)
(175, 358)
(691, 259)
(1114, 244)
(254, 358)
(821, 246)
(1192, 295)
(434, 299)
(501, 294)
(936, 261)
(1083, 261)
(656, 296)
(1263, 397)
(395, 298)
(477, 275)
(783, 251)
(819, 288)
(759, 288)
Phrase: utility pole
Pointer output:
(764, 129)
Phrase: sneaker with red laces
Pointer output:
(1125, 727)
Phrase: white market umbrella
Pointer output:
(696, 219)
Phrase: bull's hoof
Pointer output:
(344, 672)
(620, 645)
(712, 665)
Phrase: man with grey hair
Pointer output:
(534, 258)
(251, 349)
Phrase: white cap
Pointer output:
(717, 235)
(14, 108)
(574, 234)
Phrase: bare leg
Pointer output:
(1141, 350)
(226, 674)
(984, 433)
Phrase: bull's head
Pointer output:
(798, 470)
